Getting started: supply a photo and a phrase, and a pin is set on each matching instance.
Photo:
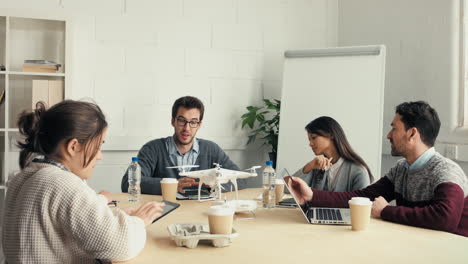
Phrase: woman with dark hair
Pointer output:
(336, 166)
(51, 215)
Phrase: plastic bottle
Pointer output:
(269, 177)
(134, 179)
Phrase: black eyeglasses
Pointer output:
(182, 122)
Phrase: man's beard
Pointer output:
(394, 152)
(177, 140)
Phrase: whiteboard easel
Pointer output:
(345, 83)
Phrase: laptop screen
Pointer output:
(319, 215)
(286, 178)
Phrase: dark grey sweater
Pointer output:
(154, 160)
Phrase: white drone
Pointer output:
(216, 176)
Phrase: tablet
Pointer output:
(169, 207)
(288, 203)
(192, 194)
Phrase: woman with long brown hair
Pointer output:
(51, 215)
(336, 166)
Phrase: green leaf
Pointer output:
(270, 121)
(261, 118)
(250, 121)
(245, 115)
(272, 107)
(267, 102)
(253, 108)
(265, 119)
(251, 139)
(244, 122)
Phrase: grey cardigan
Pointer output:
(154, 160)
(350, 177)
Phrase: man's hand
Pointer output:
(185, 182)
(299, 189)
(107, 195)
(319, 163)
(148, 211)
(378, 205)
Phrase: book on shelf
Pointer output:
(48, 91)
(55, 92)
(40, 66)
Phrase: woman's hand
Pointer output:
(148, 211)
(299, 189)
(319, 163)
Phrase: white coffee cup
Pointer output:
(360, 208)
(169, 189)
(220, 218)
(279, 190)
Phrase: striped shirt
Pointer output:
(180, 159)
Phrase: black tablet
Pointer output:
(169, 207)
(192, 194)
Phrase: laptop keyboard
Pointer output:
(325, 214)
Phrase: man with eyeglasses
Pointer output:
(183, 148)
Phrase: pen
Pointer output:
(113, 202)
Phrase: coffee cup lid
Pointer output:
(220, 210)
(360, 201)
(169, 180)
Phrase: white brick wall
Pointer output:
(162, 11)
(210, 63)
(210, 11)
(135, 57)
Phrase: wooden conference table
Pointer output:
(281, 235)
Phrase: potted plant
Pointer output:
(264, 122)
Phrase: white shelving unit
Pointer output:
(22, 39)
(35, 74)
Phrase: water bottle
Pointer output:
(269, 177)
(134, 179)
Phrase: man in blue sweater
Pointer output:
(183, 148)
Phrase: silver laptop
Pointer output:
(321, 215)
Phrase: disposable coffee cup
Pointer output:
(279, 190)
(220, 219)
(169, 189)
(360, 208)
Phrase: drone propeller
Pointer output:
(253, 168)
(183, 166)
